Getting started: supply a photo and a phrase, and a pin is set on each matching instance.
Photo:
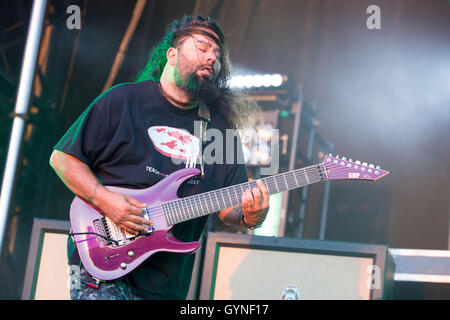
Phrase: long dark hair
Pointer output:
(227, 105)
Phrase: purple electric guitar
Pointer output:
(108, 252)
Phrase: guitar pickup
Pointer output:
(148, 232)
(150, 229)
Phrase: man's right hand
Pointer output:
(125, 211)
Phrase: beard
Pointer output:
(201, 89)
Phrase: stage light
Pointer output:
(257, 81)
(267, 80)
(277, 80)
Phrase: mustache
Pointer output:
(208, 66)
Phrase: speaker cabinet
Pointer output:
(47, 272)
(245, 267)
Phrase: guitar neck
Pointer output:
(199, 205)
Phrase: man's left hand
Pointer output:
(255, 204)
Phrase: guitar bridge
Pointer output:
(113, 235)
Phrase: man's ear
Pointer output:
(172, 54)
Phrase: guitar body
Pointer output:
(107, 261)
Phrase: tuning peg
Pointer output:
(344, 158)
(364, 164)
(371, 166)
(330, 154)
(358, 162)
(378, 167)
(337, 156)
(350, 160)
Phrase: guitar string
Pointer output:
(177, 208)
(187, 204)
(177, 211)
(182, 209)
(157, 214)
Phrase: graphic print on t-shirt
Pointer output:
(174, 142)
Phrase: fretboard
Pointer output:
(192, 207)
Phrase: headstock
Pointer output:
(343, 168)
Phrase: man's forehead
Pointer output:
(204, 39)
(205, 35)
(208, 33)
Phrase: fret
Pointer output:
(181, 208)
(306, 176)
(190, 212)
(188, 207)
(299, 178)
(237, 197)
(196, 213)
(295, 177)
(230, 202)
(181, 215)
(172, 214)
(197, 207)
(166, 215)
(210, 201)
(201, 206)
(276, 184)
(292, 184)
(287, 187)
(223, 198)
(185, 207)
(206, 203)
(314, 176)
(229, 196)
(266, 182)
(194, 207)
(269, 187)
(217, 200)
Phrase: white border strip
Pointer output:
(421, 253)
(422, 277)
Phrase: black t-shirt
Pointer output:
(127, 137)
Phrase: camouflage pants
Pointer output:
(84, 287)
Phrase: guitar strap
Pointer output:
(205, 117)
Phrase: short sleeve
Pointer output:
(88, 136)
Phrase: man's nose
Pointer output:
(211, 57)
